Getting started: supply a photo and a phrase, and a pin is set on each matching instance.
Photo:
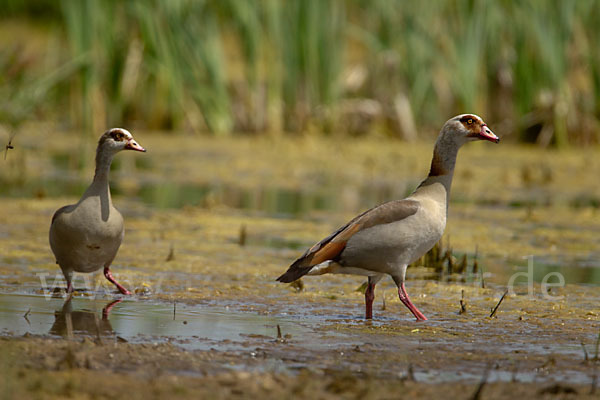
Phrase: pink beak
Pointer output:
(487, 134)
(133, 145)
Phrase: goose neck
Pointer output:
(442, 164)
(103, 161)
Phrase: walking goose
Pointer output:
(86, 236)
(385, 239)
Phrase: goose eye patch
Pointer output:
(468, 120)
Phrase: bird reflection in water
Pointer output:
(83, 322)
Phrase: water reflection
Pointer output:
(68, 323)
(573, 271)
(270, 199)
(195, 327)
(64, 178)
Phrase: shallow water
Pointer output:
(138, 321)
(301, 337)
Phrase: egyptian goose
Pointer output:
(385, 239)
(86, 236)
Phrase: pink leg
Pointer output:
(369, 297)
(106, 310)
(406, 301)
(69, 287)
(111, 279)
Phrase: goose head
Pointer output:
(466, 128)
(456, 132)
(117, 139)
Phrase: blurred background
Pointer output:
(346, 67)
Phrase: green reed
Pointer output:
(298, 65)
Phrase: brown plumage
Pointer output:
(331, 247)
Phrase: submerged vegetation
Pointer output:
(304, 65)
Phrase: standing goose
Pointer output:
(385, 239)
(86, 236)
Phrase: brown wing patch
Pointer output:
(389, 212)
(327, 252)
(386, 213)
(333, 245)
(347, 233)
(332, 249)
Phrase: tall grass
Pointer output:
(532, 68)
